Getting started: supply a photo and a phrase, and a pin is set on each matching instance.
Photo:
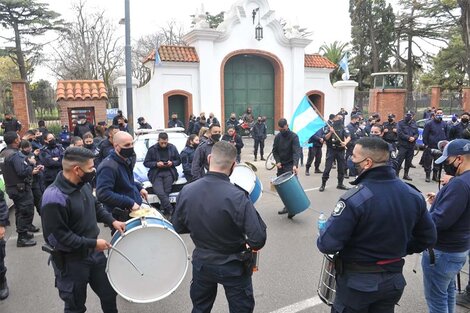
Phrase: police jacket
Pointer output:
(115, 185)
(189, 131)
(200, 165)
(434, 132)
(175, 123)
(456, 131)
(405, 131)
(187, 156)
(51, 167)
(16, 169)
(450, 212)
(197, 127)
(232, 122)
(259, 131)
(82, 129)
(315, 138)
(220, 219)
(3, 210)
(104, 149)
(11, 125)
(355, 132)
(236, 139)
(64, 138)
(390, 136)
(382, 218)
(333, 142)
(286, 148)
(144, 126)
(69, 215)
(156, 154)
(36, 144)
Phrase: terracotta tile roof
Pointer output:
(175, 54)
(81, 90)
(318, 61)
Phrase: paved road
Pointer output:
(289, 264)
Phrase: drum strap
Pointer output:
(359, 268)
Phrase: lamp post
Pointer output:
(258, 28)
(130, 112)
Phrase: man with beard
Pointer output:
(200, 163)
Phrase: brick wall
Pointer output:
(435, 96)
(466, 99)
(386, 101)
(98, 105)
(20, 104)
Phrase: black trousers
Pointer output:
(24, 207)
(259, 143)
(406, 154)
(314, 153)
(428, 161)
(331, 156)
(72, 283)
(3, 269)
(285, 168)
(349, 152)
(237, 284)
(162, 187)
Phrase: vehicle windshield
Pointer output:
(142, 143)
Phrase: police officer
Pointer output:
(258, 132)
(106, 146)
(457, 131)
(286, 152)
(337, 138)
(200, 164)
(221, 229)
(314, 152)
(143, 124)
(175, 122)
(162, 159)
(70, 214)
(10, 124)
(377, 131)
(355, 133)
(232, 137)
(407, 132)
(83, 127)
(372, 228)
(4, 291)
(51, 157)
(115, 185)
(390, 130)
(434, 131)
(64, 137)
(17, 172)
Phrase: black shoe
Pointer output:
(307, 173)
(346, 176)
(28, 236)
(4, 291)
(342, 187)
(290, 216)
(406, 177)
(25, 242)
(263, 159)
(322, 188)
(255, 159)
(283, 211)
(428, 178)
(462, 299)
(317, 171)
(33, 229)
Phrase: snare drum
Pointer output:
(244, 177)
(159, 255)
(327, 284)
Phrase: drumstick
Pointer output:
(128, 260)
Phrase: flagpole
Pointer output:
(321, 116)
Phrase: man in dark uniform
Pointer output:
(372, 228)
(450, 211)
(83, 127)
(115, 185)
(337, 139)
(175, 122)
(51, 157)
(390, 131)
(162, 159)
(456, 131)
(17, 172)
(117, 117)
(221, 230)
(355, 134)
(70, 214)
(232, 137)
(143, 124)
(200, 164)
(106, 146)
(10, 124)
(232, 121)
(407, 132)
(286, 152)
(259, 136)
(314, 152)
(434, 131)
(4, 291)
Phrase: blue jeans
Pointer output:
(439, 279)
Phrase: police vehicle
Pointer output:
(144, 139)
(421, 123)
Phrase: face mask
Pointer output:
(464, 120)
(87, 176)
(439, 117)
(259, 121)
(408, 119)
(216, 137)
(390, 120)
(25, 152)
(454, 119)
(232, 118)
(377, 120)
(8, 119)
(89, 147)
(126, 152)
(453, 169)
(121, 124)
(52, 143)
(174, 119)
(195, 145)
(374, 135)
(337, 123)
(357, 166)
(30, 139)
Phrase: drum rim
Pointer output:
(163, 296)
(254, 180)
(282, 178)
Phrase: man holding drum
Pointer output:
(372, 228)
(221, 229)
(70, 214)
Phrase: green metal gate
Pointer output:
(249, 81)
(177, 104)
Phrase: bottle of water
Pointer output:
(321, 222)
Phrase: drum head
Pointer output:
(158, 252)
(244, 177)
(283, 178)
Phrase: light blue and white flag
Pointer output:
(305, 121)
(344, 65)
(158, 61)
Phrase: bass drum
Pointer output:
(150, 260)
(244, 177)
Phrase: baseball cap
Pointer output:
(454, 148)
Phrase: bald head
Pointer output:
(121, 138)
(222, 157)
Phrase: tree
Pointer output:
(91, 49)
(8, 72)
(42, 95)
(27, 19)
(465, 24)
(334, 52)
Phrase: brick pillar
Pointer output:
(20, 104)
(466, 99)
(386, 101)
(435, 96)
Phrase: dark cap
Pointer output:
(409, 113)
(355, 115)
(454, 148)
(391, 115)
(331, 116)
(140, 119)
(282, 122)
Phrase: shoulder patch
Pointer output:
(339, 208)
(351, 192)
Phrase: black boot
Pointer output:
(434, 177)
(262, 158)
(33, 229)
(406, 176)
(341, 186)
(428, 177)
(322, 187)
(318, 171)
(4, 291)
(283, 211)
(24, 241)
(307, 171)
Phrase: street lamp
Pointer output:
(258, 28)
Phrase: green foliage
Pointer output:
(42, 95)
(214, 20)
(334, 52)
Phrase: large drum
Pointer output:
(149, 262)
(244, 177)
(291, 192)
(327, 284)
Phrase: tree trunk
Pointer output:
(465, 23)
(409, 74)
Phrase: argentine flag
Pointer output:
(158, 60)
(344, 65)
(305, 121)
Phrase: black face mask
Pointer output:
(25, 152)
(174, 119)
(52, 143)
(195, 145)
(8, 118)
(88, 177)
(89, 147)
(30, 139)
(358, 167)
(121, 124)
(216, 137)
(464, 120)
(337, 123)
(408, 119)
(451, 169)
(259, 121)
(284, 132)
(232, 118)
(126, 152)
(390, 120)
